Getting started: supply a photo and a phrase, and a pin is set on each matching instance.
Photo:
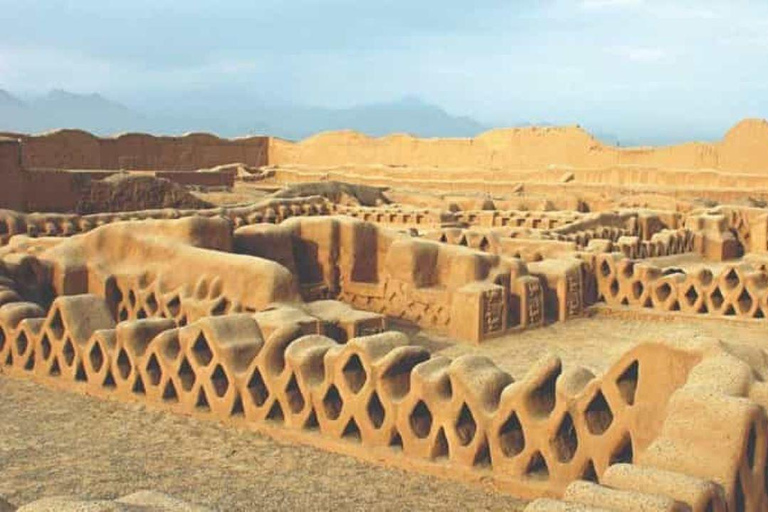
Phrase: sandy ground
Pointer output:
(57, 443)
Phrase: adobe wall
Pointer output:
(380, 398)
(744, 149)
(11, 175)
(76, 149)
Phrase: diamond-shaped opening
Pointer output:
(221, 307)
(182, 321)
(295, 397)
(172, 348)
(738, 490)
(202, 351)
(598, 415)
(605, 269)
(109, 380)
(466, 427)
(150, 304)
(541, 400)
(751, 442)
(589, 473)
(565, 442)
(80, 373)
(311, 423)
(220, 381)
(55, 369)
(440, 449)
(637, 289)
(614, 287)
(69, 352)
(202, 400)
(376, 410)
(731, 279)
(257, 389)
(174, 306)
(332, 403)
(511, 436)
(691, 296)
(627, 382)
(141, 314)
(537, 467)
(132, 298)
(396, 441)
(123, 364)
(138, 385)
(421, 420)
(112, 293)
(482, 458)
(22, 343)
(97, 357)
(729, 311)
(153, 370)
(663, 292)
(123, 315)
(717, 298)
(169, 393)
(237, 407)
(276, 412)
(623, 454)
(57, 325)
(354, 374)
(186, 375)
(352, 431)
(30, 364)
(705, 277)
(744, 302)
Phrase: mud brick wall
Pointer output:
(13, 186)
(738, 290)
(75, 149)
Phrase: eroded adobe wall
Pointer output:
(743, 149)
(75, 149)
(375, 395)
(468, 293)
(12, 184)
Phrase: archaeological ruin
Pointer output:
(505, 310)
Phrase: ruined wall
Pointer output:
(12, 184)
(374, 394)
(457, 290)
(736, 290)
(743, 149)
(75, 149)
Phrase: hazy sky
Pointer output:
(622, 66)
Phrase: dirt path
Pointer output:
(56, 443)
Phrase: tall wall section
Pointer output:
(744, 149)
(75, 149)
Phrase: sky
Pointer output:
(678, 69)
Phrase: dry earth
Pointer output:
(57, 443)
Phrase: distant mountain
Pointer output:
(61, 109)
(408, 115)
(228, 118)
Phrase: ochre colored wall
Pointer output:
(75, 149)
(11, 175)
(744, 149)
